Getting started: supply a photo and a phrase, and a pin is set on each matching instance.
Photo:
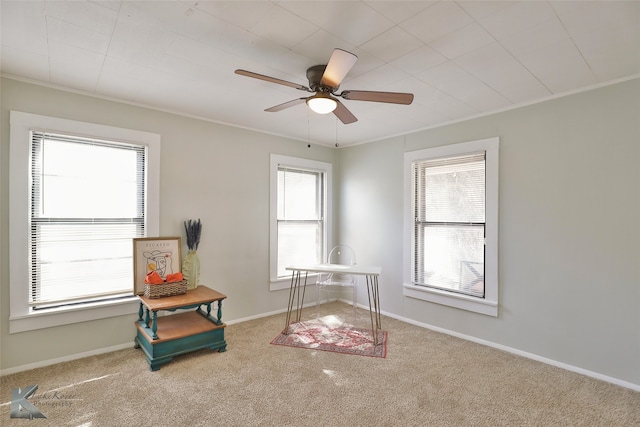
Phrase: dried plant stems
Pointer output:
(193, 229)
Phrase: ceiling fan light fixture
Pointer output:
(322, 103)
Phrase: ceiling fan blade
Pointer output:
(344, 114)
(366, 95)
(287, 104)
(338, 66)
(271, 79)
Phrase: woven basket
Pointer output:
(165, 289)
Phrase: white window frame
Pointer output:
(489, 304)
(277, 160)
(21, 317)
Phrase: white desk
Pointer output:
(371, 274)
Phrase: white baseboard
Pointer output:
(103, 350)
(68, 358)
(581, 371)
(532, 356)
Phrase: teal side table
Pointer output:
(163, 338)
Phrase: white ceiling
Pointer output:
(460, 58)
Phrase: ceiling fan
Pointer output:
(325, 80)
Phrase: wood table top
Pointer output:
(199, 295)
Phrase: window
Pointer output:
(448, 251)
(77, 201)
(299, 221)
(87, 203)
(451, 244)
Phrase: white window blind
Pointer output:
(449, 225)
(300, 221)
(87, 202)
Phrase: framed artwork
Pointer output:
(161, 254)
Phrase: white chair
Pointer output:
(340, 255)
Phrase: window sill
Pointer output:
(463, 302)
(65, 316)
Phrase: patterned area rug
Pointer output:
(327, 334)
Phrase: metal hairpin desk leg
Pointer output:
(374, 306)
(294, 295)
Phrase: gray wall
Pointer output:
(569, 222)
(209, 171)
(569, 234)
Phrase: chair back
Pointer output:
(341, 255)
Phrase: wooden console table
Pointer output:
(163, 338)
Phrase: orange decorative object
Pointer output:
(153, 278)
(175, 277)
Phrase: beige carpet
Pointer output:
(427, 379)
